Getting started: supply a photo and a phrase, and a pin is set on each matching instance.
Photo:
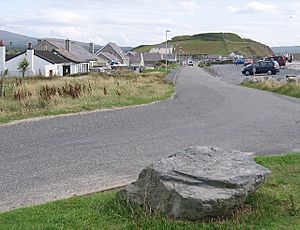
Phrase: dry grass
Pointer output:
(30, 97)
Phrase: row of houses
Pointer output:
(52, 57)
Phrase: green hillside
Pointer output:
(215, 43)
(143, 48)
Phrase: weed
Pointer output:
(47, 92)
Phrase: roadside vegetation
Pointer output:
(33, 97)
(161, 68)
(290, 89)
(276, 205)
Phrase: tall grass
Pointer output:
(290, 89)
(30, 97)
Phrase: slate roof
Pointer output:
(50, 57)
(148, 58)
(46, 55)
(11, 56)
(77, 54)
(151, 57)
(115, 47)
(109, 56)
(135, 59)
(170, 56)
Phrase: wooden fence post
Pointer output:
(2, 90)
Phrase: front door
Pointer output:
(66, 70)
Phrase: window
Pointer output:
(264, 64)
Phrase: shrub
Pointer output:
(47, 92)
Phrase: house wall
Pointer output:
(2, 59)
(161, 50)
(74, 69)
(13, 64)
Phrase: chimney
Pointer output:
(68, 45)
(30, 58)
(91, 48)
(2, 57)
(39, 41)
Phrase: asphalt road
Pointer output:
(55, 158)
(233, 73)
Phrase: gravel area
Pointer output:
(233, 74)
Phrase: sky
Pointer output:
(136, 22)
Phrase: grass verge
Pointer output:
(34, 97)
(289, 89)
(276, 205)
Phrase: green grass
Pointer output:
(215, 43)
(202, 47)
(121, 90)
(143, 48)
(161, 69)
(276, 205)
(290, 89)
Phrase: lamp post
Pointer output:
(167, 31)
(180, 49)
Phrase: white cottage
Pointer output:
(44, 63)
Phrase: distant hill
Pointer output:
(286, 49)
(215, 43)
(18, 43)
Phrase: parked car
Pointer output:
(239, 61)
(280, 59)
(277, 66)
(248, 62)
(190, 63)
(268, 67)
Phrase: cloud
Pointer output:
(234, 9)
(263, 7)
(135, 22)
(189, 6)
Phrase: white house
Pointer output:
(44, 63)
(83, 59)
(162, 49)
(50, 57)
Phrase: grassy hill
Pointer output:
(16, 42)
(215, 43)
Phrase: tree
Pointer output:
(23, 65)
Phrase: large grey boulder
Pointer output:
(197, 183)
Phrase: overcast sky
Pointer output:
(135, 22)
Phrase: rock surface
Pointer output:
(197, 183)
